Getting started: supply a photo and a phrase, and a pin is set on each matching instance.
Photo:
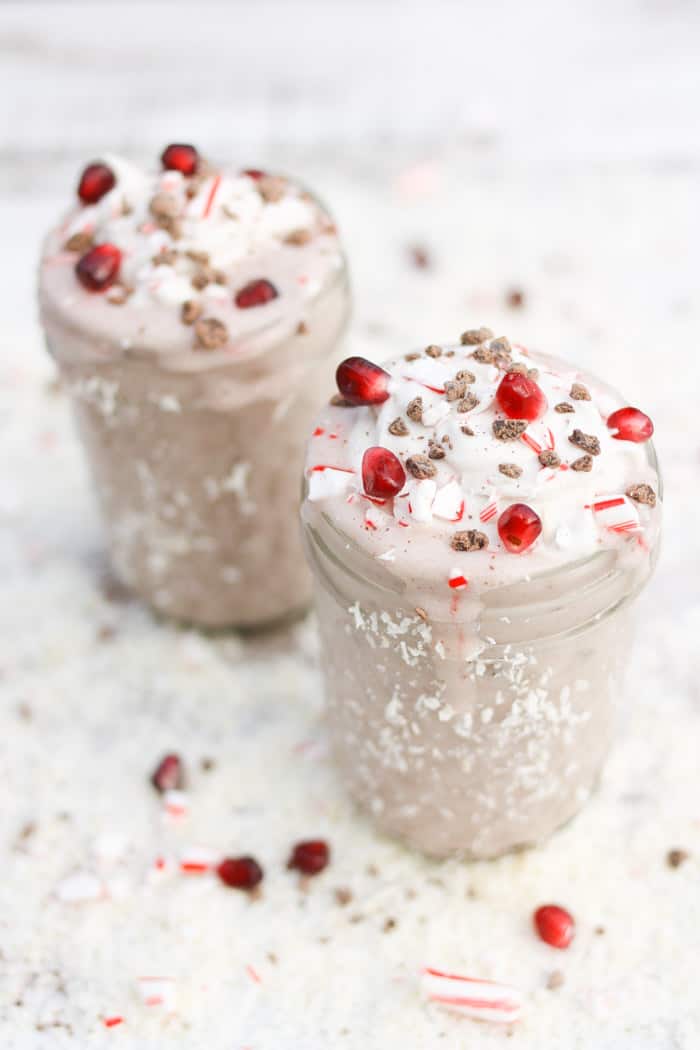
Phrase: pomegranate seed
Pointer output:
(361, 382)
(555, 925)
(310, 857)
(180, 157)
(241, 873)
(253, 173)
(256, 293)
(631, 425)
(382, 474)
(519, 527)
(520, 398)
(98, 268)
(96, 180)
(169, 774)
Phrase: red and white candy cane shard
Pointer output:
(212, 194)
(479, 999)
(489, 511)
(617, 514)
(175, 804)
(112, 1022)
(158, 991)
(457, 581)
(198, 860)
(326, 480)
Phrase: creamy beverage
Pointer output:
(478, 518)
(195, 316)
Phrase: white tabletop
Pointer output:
(552, 151)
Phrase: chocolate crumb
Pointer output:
(165, 209)
(446, 440)
(414, 410)
(455, 389)
(79, 242)
(642, 494)
(511, 470)
(343, 896)
(474, 336)
(420, 467)
(302, 328)
(201, 258)
(411, 357)
(484, 355)
(515, 298)
(518, 367)
(165, 258)
(584, 463)
(298, 237)
(389, 925)
(398, 428)
(271, 188)
(118, 294)
(555, 980)
(465, 376)
(420, 256)
(588, 442)
(191, 311)
(469, 540)
(210, 333)
(501, 346)
(467, 430)
(421, 613)
(206, 764)
(372, 870)
(468, 402)
(564, 406)
(509, 429)
(340, 402)
(533, 373)
(436, 451)
(676, 857)
(579, 392)
(433, 350)
(599, 931)
(200, 279)
(548, 458)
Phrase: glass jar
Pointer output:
(478, 726)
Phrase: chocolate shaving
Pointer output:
(414, 410)
(298, 237)
(271, 188)
(433, 351)
(579, 392)
(588, 442)
(467, 430)
(165, 258)
(210, 333)
(509, 429)
(191, 311)
(584, 463)
(398, 428)
(419, 611)
(164, 208)
(484, 355)
(454, 389)
(411, 357)
(469, 540)
(515, 298)
(340, 402)
(533, 373)
(474, 336)
(208, 275)
(676, 857)
(564, 406)
(302, 328)
(465, 376)
(642, 494)
(436, 451)
(446, 440)
(199, 257)
(555, 980)
(79, 242)
(468, 402)
(511, 470)
(420, 467)
(548, 458)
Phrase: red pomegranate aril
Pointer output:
(96, 180)
(241, 873)
(169, 774)
(310, 857)
(179, 156)
(256, 293)
(361, 382)
(631, 425)
(99, 267)
(519, 527)
(383, 477)
(555, 925)
(254, 173)
(520, 398)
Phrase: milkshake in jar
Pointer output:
(478, 519)
(195, 315)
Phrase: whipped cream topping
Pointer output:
(466, 476)
(189, 240)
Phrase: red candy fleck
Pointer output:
(310, 857)
(96, 180)
(256, 293)
(555, 925)
(180, 157)
(361, 382)
(253, 173)
(241, 873)
(519, 527)
(382, 474)
(169, 774)
(631, 425)
(98, 268)
(520, 398)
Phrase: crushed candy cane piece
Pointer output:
(472, 997)
(175, 803)
(420, 499)
(325, 481)
(158, 991)
(617, 514)
(449, 502)
(198, 860)
(457, 580)
(112, 1022)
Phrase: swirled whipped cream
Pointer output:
(465, 461)
(208, 264)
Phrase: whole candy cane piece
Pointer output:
(472, 997)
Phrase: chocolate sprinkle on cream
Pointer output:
(433, 351)
(211, 334)
(411, 357)
(588, 442)
(398, 428)
(414, 410)
(420, 467)
(79, 242)
(469, 540)
(467, 403)
(468, 431)
(298, 237)
(548, 458)
(579, 392)
(509, 429)
(191, 311)
(676, 857)
(474, 336)
(511, 470)
(564, 406)
(642, 494)
(584, 463)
